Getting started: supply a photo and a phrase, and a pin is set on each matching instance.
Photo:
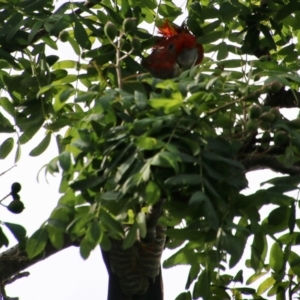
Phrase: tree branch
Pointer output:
(270, 162)
(14, 260)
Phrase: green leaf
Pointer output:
(86, 248)
(202, 286)
(74, 45)
(105, 242)
(169, 10)
(87, 183)
(94, 233)
(111, 223)
(18, 231)
(286, 10)
(42, 146)
(6, 147)
(111, 196)
(193, 274)
(81, 35)
(65, 161)
(223, 52)
(258, 251)
(13, 25)
(276, 258)
(285, 180)
(184, 256)
(48, 41)
(116, 17)
(278, 215)
(184, 179)
(184, 296)
(210, 38)
(56, 236)
(166, 159)
(255, 277)
(7, 105)
(265, 285)
(266, 32)
(197, 198)
(34, 29)
(294, 262)
(280, 294)
(239, 277)
(37, 243)
(130, 236)
(148, 143)
(152, 192)
(168, 106)
(30, 132)
(18, 153)
(292, 218)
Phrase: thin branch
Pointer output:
(1, 174)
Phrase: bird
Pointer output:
(176, 50)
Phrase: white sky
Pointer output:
(66, 276)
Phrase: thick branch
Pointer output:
(283, 98)
(14, 260)
(270, 162)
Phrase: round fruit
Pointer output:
(129, 25)
(136, 44)
(15, 196)
(256, 78)
(267, 117)
(251, 125)
(16, 206)
(276, 112)
(254, 111)
(16, 188)
(64, 36)
(280, 137)
(276, 86)
(264, 125)
(110, 30)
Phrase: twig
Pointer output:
(7, 170)
(118, 63)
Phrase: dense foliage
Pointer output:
(130, 140)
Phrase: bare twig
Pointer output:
(1, 174)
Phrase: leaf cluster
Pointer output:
(131, 140)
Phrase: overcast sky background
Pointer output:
(66, 276)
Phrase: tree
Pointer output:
(132, 141)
